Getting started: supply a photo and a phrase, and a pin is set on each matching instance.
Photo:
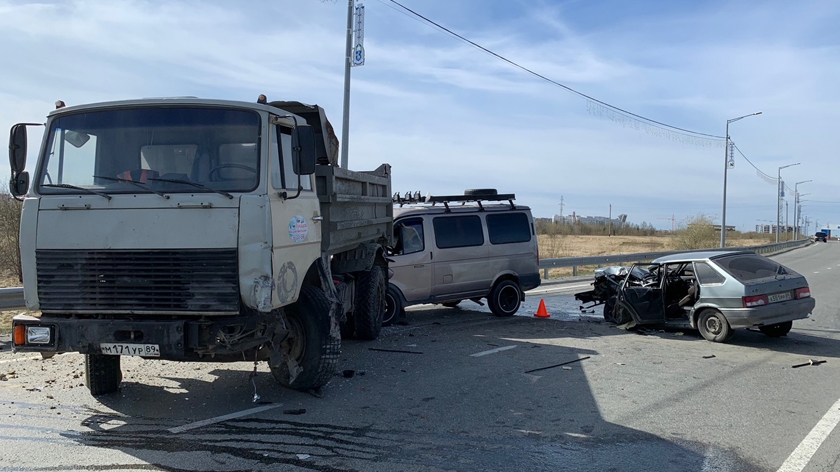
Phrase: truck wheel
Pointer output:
(505, 298)
(777, 330)
(102, 373)
(394, 308)
(370, 303)
(309, 342)
(713, 326)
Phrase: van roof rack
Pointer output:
(477, 197)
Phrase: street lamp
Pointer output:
(779, 190)
(725, 171)
(796, 209)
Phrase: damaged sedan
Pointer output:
(714, 292)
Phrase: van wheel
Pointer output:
(370, 303)
(309, 343)
(102, 373)
(394, 308)
(451, 304)
(713, 326)
(777, 330)
(505, 298)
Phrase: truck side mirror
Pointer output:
(19, 184)
(17, 148)
(303, 150)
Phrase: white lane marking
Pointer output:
(800, 456)
(219, 419)
(492, 351)
(816, 272)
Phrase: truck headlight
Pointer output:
(37, 335)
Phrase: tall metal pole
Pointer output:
(345, 122)
(725, 172)
(779, 190)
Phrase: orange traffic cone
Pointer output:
(541, 311)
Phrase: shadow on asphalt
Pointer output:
(444, 409)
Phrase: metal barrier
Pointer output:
(11, 298)
(575, 262)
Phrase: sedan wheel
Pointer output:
(713, 326)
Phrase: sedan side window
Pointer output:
(707, 275)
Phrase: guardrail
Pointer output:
(575, 262)
(12, 298)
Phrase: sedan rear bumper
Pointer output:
(769, 314)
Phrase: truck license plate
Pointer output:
(779, 297)
(123, 349)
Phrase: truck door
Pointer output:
(412, 258)
(642, 294)
(296, 222)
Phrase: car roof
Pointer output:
(697, 256)
(440, 209)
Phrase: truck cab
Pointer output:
(192, 229)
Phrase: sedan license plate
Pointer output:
(779, 297)
(123, 349)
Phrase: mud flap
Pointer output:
(332, 296)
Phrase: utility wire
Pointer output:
(607, 105)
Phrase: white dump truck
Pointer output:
(198, 230)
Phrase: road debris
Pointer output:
(557, 365)
(393, 350)
(810, 362)
(710, 356)
(303, 457)
(297, 411)
(348, 374)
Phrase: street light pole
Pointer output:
(348, 55)
(779, 190)
(725, 172)
(796, 209)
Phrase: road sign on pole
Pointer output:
(359, 37)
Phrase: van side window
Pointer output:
(508, 228)
(707, 275)
(458, 231)
(409, 236)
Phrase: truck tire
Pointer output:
(309, 342)
(505, 298)
(102, 373)
(370, 303)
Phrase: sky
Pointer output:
(448, 116)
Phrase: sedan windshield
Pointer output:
(126, 150)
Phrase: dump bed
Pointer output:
(356, 207)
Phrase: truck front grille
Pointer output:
(181, 280)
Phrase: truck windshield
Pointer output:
(164, 148)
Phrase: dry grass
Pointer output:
(559, 246)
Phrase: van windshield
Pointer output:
(112, 151)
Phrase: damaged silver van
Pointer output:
(461, 247)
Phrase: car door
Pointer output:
(411, 260)
(644, 298)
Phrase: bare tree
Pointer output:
(10, 209)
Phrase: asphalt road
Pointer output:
(460, 399)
